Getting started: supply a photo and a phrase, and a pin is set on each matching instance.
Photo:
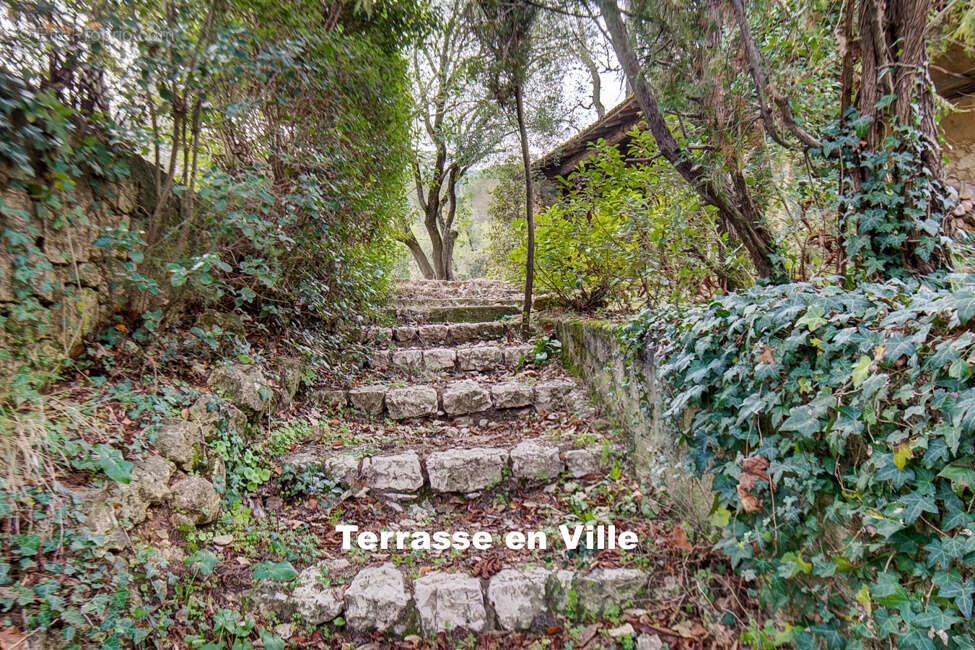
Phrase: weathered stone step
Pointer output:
(454, 313)
(467, 471)
(437, 334)
(385, 598)
(464, 397)
(480, 358)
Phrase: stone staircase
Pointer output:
(455, 435)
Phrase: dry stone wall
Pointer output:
(632, 395)
(56, 285)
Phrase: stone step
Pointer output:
(479, 358)
(387, 599)
(456, 398)
(507, 300)
(437, 334)
(454, 313)
(469, 471)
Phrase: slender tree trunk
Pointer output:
(740, 214)
(529, 213)
(586, 57)
(409, 239)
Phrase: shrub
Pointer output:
(838, 427)
(625, 234)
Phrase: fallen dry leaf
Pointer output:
(690, 629)
(678, 538)
(487, 567)
(11, 638)
(752, 471)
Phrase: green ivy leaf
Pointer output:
(813, 318)
(110, 460)
(915, 504)
(860, 370)
(721, 517)
(271, 641)
(277, 571)
(934, 616)
(961, 593)
(901, 455)
(203, 560)
(964, 303)
(802, 420)
(961, 473)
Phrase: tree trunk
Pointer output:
(529, 213)
(739, 214)
(421, 258)
(894, 65)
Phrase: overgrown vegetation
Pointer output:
(838, 426)
(279, 191)
(189, 189)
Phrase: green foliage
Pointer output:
(624, 233)
(306, 481)
(289, 134)
(545, 349)
(892, 216)
(506, 212)
(838, 428)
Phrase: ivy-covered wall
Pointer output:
(629, 392)
(56, 283)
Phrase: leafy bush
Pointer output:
(622, 233)
(296, 481)
(545, 349)
(838, 426)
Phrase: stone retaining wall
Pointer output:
(383, 599)
(56, 285)
(632, 396)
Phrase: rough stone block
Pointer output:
(512, 356)
(343, 468)
(404, 333)
(512, 394)
(461, 333)
(407, 360)
(432, 333)
(439, 359)
(448, 601)
(518, 597)
(557, 589)
(209, 410)
(466, 470)
(491, 330)
(395, 473)
(379, 358)
(380, 334)
(245, 385)
(376, 599)
(581, 462)
(463, 397)
(411, 402)
(194, 501)
(315, 602)
(604, 589)
(182, 443)
(368, 398)
(550, 395)
(335, 399)
(480, 358)
(534, 461)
